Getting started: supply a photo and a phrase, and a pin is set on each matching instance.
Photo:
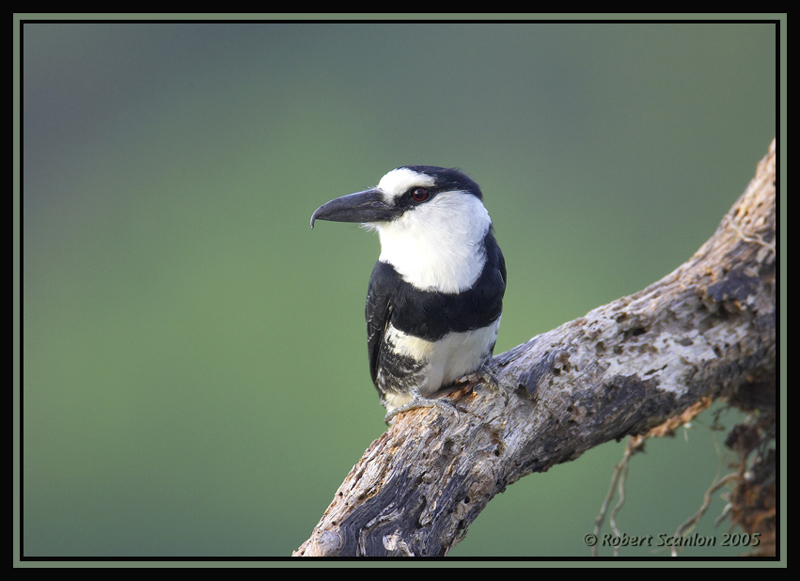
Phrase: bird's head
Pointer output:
(431, 222)
(411, 196)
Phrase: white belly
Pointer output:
(451, 357)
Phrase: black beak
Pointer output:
(362, 207)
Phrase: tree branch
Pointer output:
(705, 331)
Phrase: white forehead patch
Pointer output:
(399, 180)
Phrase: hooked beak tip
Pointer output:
(313, 219)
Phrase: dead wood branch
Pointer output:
(706, 330)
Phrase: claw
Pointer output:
(484, 375)
(422, 402)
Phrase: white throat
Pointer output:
(438, 246)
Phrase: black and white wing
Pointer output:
(382, 284)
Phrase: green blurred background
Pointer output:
(195, 380)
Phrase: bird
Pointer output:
(435, 296)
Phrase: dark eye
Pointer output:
(419, 194)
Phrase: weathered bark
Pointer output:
(707, 330)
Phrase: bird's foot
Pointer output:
(419, 401)
(484, 375)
